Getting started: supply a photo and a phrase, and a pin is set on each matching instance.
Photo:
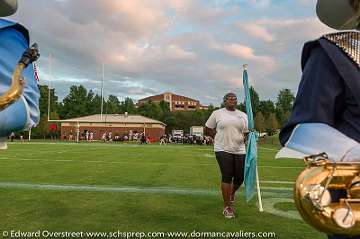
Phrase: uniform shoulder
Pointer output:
(218, 111)
(241, 113)
(5, 23)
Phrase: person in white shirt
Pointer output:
(91, 136)
(228, 127)
(162, 140)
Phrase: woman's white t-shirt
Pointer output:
(230, 128)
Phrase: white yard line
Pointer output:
(120, 189)
(124, 162)
(278, 182)
(269, 149)
(269, 166)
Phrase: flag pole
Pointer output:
(261, 209)
(251, 154)
(49, 87)
(102, 90)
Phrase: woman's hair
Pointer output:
(355, 4)
(228, 95)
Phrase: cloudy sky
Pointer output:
(189, 47)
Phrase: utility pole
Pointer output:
(102, 91)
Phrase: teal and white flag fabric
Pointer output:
(251, 148)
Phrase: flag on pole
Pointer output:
(36, 73)
(251, 148)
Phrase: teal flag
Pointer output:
(251, 148)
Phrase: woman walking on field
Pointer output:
(228, 127)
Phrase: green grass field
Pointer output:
(102, 187)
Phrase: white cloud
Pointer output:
(295, 28)
(260, 3)
(285, 36)
(175, 52)
(307, 2)
(245, 53)
(257, 31)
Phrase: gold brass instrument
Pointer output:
(17, 81)
(313, 197)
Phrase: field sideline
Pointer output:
(127, 187)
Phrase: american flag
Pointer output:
(36, 74)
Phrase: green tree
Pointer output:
(127, 106)
(89, 104)
(271, 124)
(241, 106)
(255, 100)
(285, 100)
(266, 107)
(75, 103)
(96, 105)
(260, 122)
(42, 129)
(151, 110)
(113, 105)
(284, 104)
(170, 121)
(165, 107)
(183, 120)
(43, 101)
(167, 117)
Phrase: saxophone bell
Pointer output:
(313, 195)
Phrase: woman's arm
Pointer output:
(210, 132)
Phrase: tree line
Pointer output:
(269, 116)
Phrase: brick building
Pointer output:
(176, 102)
(117, 124)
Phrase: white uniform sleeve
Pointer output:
(316, 138)
(211, 122)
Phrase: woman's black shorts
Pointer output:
(231, 167)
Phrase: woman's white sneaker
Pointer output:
(229, 212)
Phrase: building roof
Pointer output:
(182, 98)
(114, 118)
(173, 96)
(153, 98)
